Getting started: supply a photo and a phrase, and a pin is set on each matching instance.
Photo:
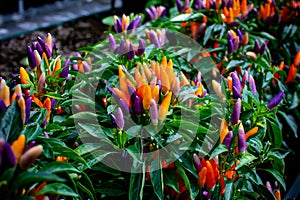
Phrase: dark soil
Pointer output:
(68, 38)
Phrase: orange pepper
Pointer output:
(122, 95)
(210, 176)
(251, 132)
(277, 195)
(21, 103)
(184, 80)
(147, 97)
(229, 80)
(57, 66)
(123, 81)
(18, 147)
(292, 74)
(202, 177)
(155, 93)
(297, 59)
(47, 105)
(37, 101)
(44, 56)
(147, 72)
(24, 76)
(223, 130)
(165, 82)
(5, 95)
(164, 107)
(244, 8)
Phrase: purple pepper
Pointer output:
(65, 72)
(47, 51)
(179, 5)
(124, 106)
(197, 163)
(53, 102)
(141, 48)
(67, 63)
(242, 145)
(130, 26)
(121, 49)
(149, 13)
(268, 185)
(154, 39)
(2, 105)
(44, 123)
(86, 66)
(27, 109)
(275, 100)
(206, 195)
(40, 40)
(120, 118)
(154, 11)
(131, 92)
(30, 145)
(153, 112)
(240, 34)
(46, 135)
(229, 4)
(263, 48)
(228, 139)
(163, 13)
(236, 94)
(235, 115)
(137, 22)
(186, 4)
(256, 47)
(2, 143)
(112, 42)
(159, 84)
(229, 35)
(199, 5)
(244, 79)
(8, 156)
(131, 52)
(31, 57)
(39, 48)
(236, 43)
(230, 46)
(236, 81)
(113, 120)
(118, 26)
(137, 105)
(252, 84)
(212, 5)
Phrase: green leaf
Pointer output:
(94, 130)
(220, 149)
(137, 181)
(108, 20)
(57, 167)
(181, 18)
(229, 190)
(291, 122)
(171, 179)
(26, 178)
(58, 188)
(157, 178)
(208, 33)
(11, 123)
(274, 133)
(277, 176)
(85, 189)
(193, 188)
(245, 159)
(111, 189)
(133, 131)
(32, 131)
(84, 115)
(234, 63)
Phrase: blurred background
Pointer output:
(72, 23)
